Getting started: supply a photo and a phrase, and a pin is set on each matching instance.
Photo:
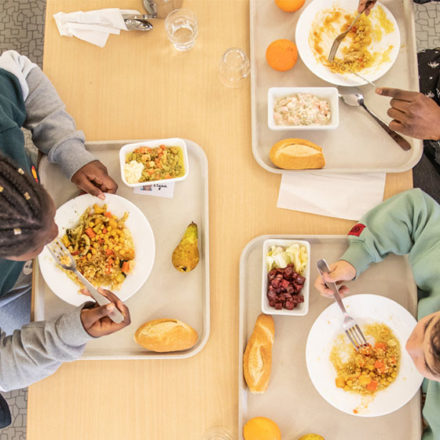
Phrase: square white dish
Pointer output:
(328, 93)
(302, 308)
(170, 142)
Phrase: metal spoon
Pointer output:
(137, 22)
(357, 100)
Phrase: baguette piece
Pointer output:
(163, 335)
(297, 154)
(257, 360)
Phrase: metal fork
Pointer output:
(59, 252)
(351, 328)
(340, 37)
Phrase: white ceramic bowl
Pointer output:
(171, 142)
(328, 93)
(365, 309)
(306, 24)
(68, 215)
(302, 308)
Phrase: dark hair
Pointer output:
(24, 205)
(435, 346)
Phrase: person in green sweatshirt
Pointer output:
(406, 224)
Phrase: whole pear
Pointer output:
(186, 255)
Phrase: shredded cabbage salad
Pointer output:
(295, 254)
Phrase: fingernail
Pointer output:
(101, 196)
(110, 307)
(379, 91)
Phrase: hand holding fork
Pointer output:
(64, 258)
(351, 328)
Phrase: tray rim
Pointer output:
(417, 144)
(242, 393)
(38, 299)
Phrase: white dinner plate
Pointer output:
(68, 215)
(365, 309)
(307, 22)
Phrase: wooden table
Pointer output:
(138, 86)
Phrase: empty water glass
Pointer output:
(181, 27)
(234, 67)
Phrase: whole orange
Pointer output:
(289, 5)
(261, 428)
(281, 55)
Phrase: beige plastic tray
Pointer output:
(359, 144)
(291, 399)
(167, 292)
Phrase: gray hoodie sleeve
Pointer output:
(53, 129)
(39, 348)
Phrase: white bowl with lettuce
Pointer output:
(279, 253)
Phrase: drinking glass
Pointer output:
(181, 27)
(234, 67)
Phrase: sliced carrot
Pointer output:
(379, 365)
(380, 345)
(109, 252)
(125, 267)
(108, 214)
(90, 232)
(372, 386)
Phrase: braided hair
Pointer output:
(23, 210)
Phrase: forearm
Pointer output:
(38, 349)
(396, 226)
(53, 129)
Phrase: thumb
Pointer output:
(97, 313)
(331, 277)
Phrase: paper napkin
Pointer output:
(92, 26)
(347, 196)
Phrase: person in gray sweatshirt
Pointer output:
(31, 351)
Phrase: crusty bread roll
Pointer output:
(296, 154)
(257, 360)
(164, 335)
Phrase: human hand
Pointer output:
(366, 5)
(95, 318)
(94, 179)
(413, 113)
(339, 272)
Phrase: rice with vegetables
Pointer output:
(370, 369)
(102, 247)
(145, 164)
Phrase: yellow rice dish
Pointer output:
(373, 368)
(355, 52)
(102, 247)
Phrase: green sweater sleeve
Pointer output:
(404, 224)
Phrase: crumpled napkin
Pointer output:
(92, 26)
(347, 196)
